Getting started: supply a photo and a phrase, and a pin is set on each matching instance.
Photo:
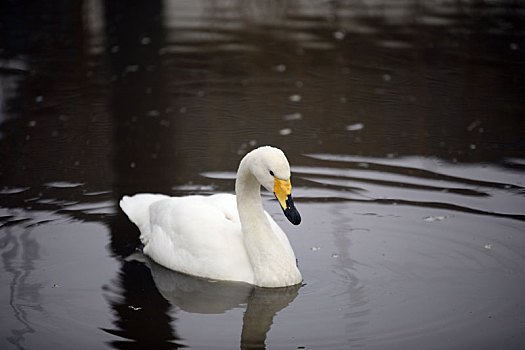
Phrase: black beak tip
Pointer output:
(290, 212)
(293, 215)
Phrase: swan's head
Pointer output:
(270, 167)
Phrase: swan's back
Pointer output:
(137, 207)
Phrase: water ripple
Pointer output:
(418, 181)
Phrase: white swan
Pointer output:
(223, 236)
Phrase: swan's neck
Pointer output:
(270, 261)
(249, 204)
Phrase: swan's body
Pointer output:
(223, 236)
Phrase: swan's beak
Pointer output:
(283, 191)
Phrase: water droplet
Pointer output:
(488, 246)
(335, 255)
(513, 46)
(280, 68)
(32, 123)
(314, 249)
(295, 98)
(473, 125)
(355, 127)
(339, 35)
(387, 77)
(285, 131)
(472, 146)
(39, 99)
(145, 40)
(132, 165)
(132, 68)
(434, 218)
(293, 116)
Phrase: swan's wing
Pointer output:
(198, 235)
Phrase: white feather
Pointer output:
(204, 235)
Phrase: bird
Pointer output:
(223, 236)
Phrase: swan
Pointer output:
(224, 236)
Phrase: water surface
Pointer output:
(403, 122)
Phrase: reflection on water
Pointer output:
(19, 254)
(403, 121)
(134, 299)
(195, 295)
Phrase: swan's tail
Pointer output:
(137, 208)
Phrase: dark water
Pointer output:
(404, 124)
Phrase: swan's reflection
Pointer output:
(142, 316)
(198, 295)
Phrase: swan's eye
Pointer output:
(271, 173)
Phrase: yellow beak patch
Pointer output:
(282, 189)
